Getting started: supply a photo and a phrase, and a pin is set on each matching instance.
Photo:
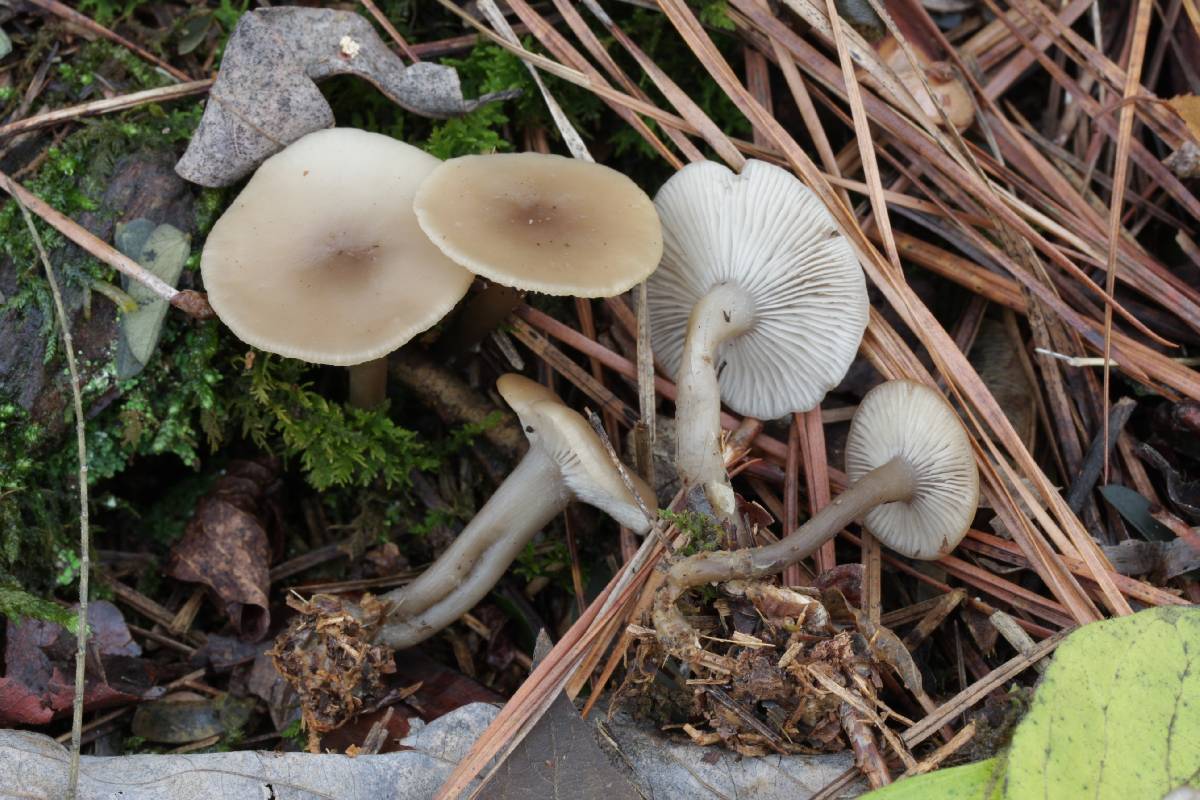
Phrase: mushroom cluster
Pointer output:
(346, 244)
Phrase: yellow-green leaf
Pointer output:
(976, 781)
(1117, 715)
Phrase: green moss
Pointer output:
(704, 534)
(336, 445)
(107, 12)
(16, 604)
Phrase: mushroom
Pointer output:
(913, 481)
(320, 257)
(758, 288)
(538, 222)
(566, 461)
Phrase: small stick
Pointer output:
(945, 751)
(105, 106)
(86, 22)
(1097, 361)
(941, 609)
(1015, 635)
(81, 633)
(971, 695)
(387, 25)
(193, 303)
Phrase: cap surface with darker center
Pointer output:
(320, 257)
(541, 222)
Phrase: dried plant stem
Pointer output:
(1141, 29)
(387, 25)
(89, 24)
(105, 106)
(81, 446)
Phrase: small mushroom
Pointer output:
(537, 222)
(914, 483)
(566, 461)
(758, 300)
(320, 257)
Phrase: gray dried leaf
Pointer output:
(36, 766)
(265, 95)
(559, 758)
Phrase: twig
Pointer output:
(387, 25)
(951, 747)
(81, 632)
(978, 690)
(1015, 635)
(1096, 361)
(86, 22)
(105, 106)
(193, 303)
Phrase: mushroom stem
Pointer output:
(368, 383)
(525, 502)
(481, 314)
(893, 481)
(724, 313)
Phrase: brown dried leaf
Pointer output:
(38, 682)
(265, 95)
(1187, 106)
(885, 645)
(226, 547)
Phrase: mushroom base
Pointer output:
(891, 482)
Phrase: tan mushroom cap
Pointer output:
(320, 257)
(911, 421)
(586, 466)
(542, 222)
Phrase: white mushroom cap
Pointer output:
(766, 232)
(586, 466)
(320, 257)
(911, 421)
(542, 222)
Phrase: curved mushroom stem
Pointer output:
(368, 383)
(529, 498)
(726, 312)
(887, 483)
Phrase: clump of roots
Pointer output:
(775, 670)
(327, 656)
